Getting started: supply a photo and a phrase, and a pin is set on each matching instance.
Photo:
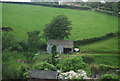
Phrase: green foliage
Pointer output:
(54, 53)
(33, 40)
(29, 56)
(71, 63)
(7, 40)
(44, 66)
(24, 45)
(107, 67)
(42, 58)
(11, 69)
(42, 45)
(59, 28)
(107, 76)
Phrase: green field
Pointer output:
(109, 45)
(85, 24)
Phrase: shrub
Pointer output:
(104, 67)
(80, 74)
(10, 73)
(24, 45)
(71, 63)
(44, 66)
(42, 45)
(107, 76)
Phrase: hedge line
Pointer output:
(51, 5)
(106, 12)
(95, 39)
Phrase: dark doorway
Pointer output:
(67, 50)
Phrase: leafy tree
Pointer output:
(59, 28)
(54, 53)
(33, 40)
(71, 63)
(115, 6)
(9, 42)
(94, 4)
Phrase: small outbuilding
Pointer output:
(62, 46)
(42, 74)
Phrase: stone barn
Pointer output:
(62, 46)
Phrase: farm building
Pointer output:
(42, 74)
(62, 46)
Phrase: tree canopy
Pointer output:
(59, 28)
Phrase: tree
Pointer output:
(115, 6)
(33, 41)
(7, 40)
(59, 28)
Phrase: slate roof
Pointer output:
(41, 74)
(63, 42)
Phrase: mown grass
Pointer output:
(85, 24)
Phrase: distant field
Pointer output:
(85, 24)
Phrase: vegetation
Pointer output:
(72, 63)
(44, 66)
(11, 66)
(59, 28)
(91, 33)
(33, 41)
(85, 24)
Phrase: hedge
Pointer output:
(94, 39)
(107, 12)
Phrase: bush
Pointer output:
(44, 66)
(71, 63)
(107, 76)
(24, 45)
(104, 67)
(10, 73)
(42, 45)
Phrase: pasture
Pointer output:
(85, 24)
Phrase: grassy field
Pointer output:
(109, 45)
(85, 24)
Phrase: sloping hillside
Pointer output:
(85, 24)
